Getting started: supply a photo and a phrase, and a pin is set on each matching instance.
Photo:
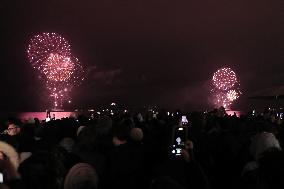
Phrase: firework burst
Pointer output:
(58, 68)
(42, 45)
(225, 88)
(232, 95)
(224, 79)
(50, 54)
(220, 99)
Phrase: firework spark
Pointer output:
(58, 68)
(220, 99)
(232, 95)
(225, 88)
(62, 77)
(50, 54)
(42, 45)
(224, 79)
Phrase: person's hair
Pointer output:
(87, 139)
(122, 130)
(42, 171)
(81, 176)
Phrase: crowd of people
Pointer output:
(125, 150)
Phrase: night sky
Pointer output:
(141, 52)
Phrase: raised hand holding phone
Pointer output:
(187, 156)
(179, 137)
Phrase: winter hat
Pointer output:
(136, 134)
(262, 142)
(81, 175)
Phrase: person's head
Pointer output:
(104, 125)
(140, 117)
(67, 143)
(13, 129)
(263, 142)
(121, 132)
(81, 176)
(136, 134)
(221, 112)
(42, 171)
(87, 139)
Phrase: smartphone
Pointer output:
(179, 137)
(1, 178)
(281, 115)
(184, 120)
